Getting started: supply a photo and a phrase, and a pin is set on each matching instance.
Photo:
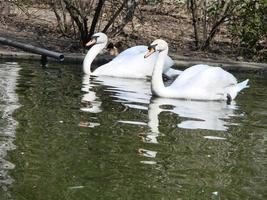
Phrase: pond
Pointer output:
(69, 136)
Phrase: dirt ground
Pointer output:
(158, 22)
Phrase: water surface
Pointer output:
(80, 137)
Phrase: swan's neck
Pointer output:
(90, 56)
(157, 85)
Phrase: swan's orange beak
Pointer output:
(91, 42)
(150, 52)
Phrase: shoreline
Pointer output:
(181, 62)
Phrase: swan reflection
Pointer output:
(148, 154)
(211, 115)
(134, 93)
(90, 102)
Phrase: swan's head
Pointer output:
(158, 45)
(98, 38)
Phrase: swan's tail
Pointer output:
(237, 88)
(242, 85)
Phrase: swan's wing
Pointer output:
(132, 67)
(208, 83)
(132, 64)
(133, 51)
(168, 62)
(141, 50)
(190, 72)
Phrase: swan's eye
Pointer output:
(94, 37)
(150, 47)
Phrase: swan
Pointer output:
(199, 82)
(128, 64)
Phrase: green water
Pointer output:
(79, 137)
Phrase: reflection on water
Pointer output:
(8, 103)
(112, 140)
(135, 94)
(90, 102)
(210, 115)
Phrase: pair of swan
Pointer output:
(199, 82)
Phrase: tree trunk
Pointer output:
(116, 14)
(79, 19)
(193, 8)
(131, 5)
(205, 27)
(96, 16)
(222, 16)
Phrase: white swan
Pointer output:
(199, 82)
(129, 64)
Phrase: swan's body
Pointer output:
(129, 64)
(199, 82)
